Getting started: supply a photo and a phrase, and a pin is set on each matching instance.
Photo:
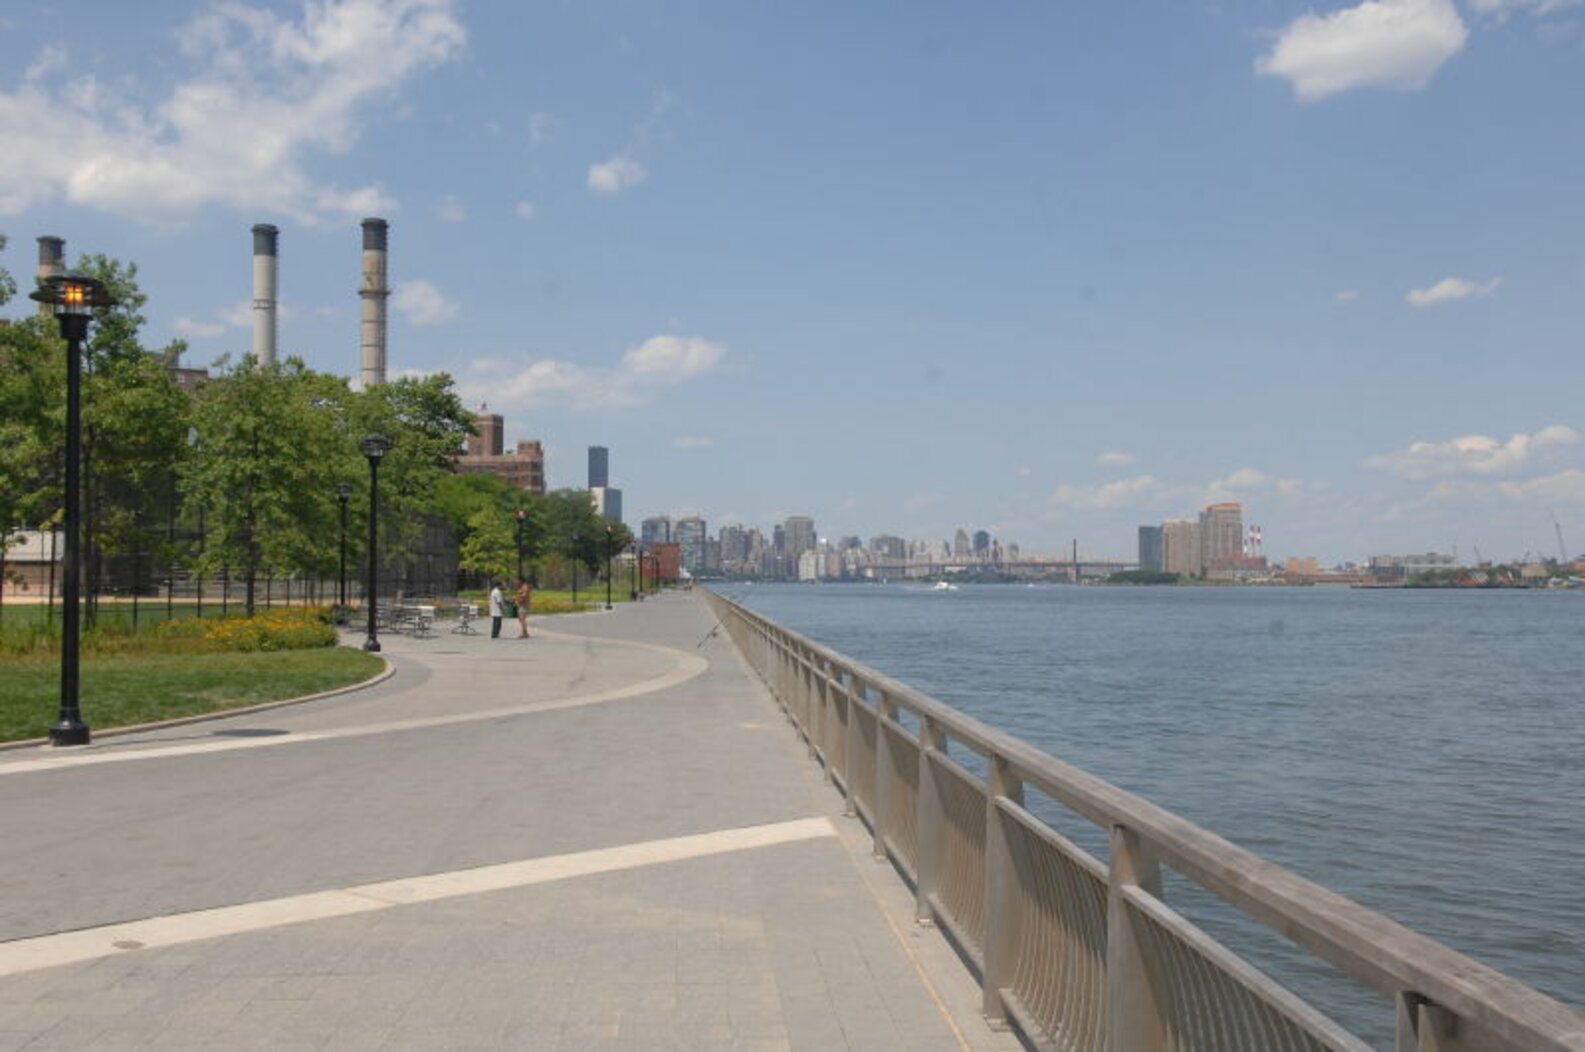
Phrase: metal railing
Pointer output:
(1082, 954)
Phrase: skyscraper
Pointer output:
(1180, 547)
(655, 530)
(599, 467)
(799, 536)
(1221, 537)
(1150, 547)
(690, 535)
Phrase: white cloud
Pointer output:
(1564, 487)
(672, 357)
(615, 175)
(1116, 459)
(263, 95)
(451, 210)
(421, 303)
(693, 442)
(1116, 494)
(525, 210)
(1379, 43)
(1451, 289)
(1476, 455)
(51, 58)
(191, 328)
(1502, 9)
(1025, 471)
(638, 375)
(1345, 295)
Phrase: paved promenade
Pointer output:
(604, 836)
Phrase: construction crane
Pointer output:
(1562, 549)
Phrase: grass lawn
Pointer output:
(118, 691)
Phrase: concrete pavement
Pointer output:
(601, 837)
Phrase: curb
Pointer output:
(218, 714)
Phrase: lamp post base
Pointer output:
(372, 645)
(69, 732)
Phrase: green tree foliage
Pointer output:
(267, 457)
(490, 547)
(426, 423)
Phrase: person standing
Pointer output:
(521, 597)
(495, 609)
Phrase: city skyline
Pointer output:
(1055, 274)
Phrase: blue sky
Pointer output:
(1048, 270)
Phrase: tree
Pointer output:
(490, 547)
(268, 455)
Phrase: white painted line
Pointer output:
(687, 667)
(90, 944)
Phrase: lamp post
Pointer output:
(343, 494)
(638, 574)
(73, 296)
(576, 539)
(610, 542)
(522, 518)
(374, 447)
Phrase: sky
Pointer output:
(1048, 270)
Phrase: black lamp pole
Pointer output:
(575, 560)
(343, 494)
(374, 447)
(610, 543)
(73, 296)
(522, 517)
(636, 575)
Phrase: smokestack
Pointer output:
(52, 261)
(374, 294)
(264, 271)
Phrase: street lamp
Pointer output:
(576, 539)
(374, 447)
(522, 517)
(73, 296)
(610, 543)
(343, 494)
(637, 574)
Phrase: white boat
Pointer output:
(944, 586)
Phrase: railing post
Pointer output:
(854, 742)
(885, 773)
(931, 817)
(1426, 1027)
(1003, 894)
(1133, 1013)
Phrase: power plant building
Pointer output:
(486, 454)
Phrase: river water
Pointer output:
(1422, 752)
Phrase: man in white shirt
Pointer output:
(495, 609)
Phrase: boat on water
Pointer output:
(944, 586)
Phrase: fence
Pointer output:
(1082, 954)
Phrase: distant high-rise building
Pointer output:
(800, 535)
(887, 546)
(607, 502)
(982, 545)
(690, 536)
(1221, 537)
(599, 467)
(778, 540)
(1180, 547)
(961, 548)
(1150, 548)
(655, 530)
